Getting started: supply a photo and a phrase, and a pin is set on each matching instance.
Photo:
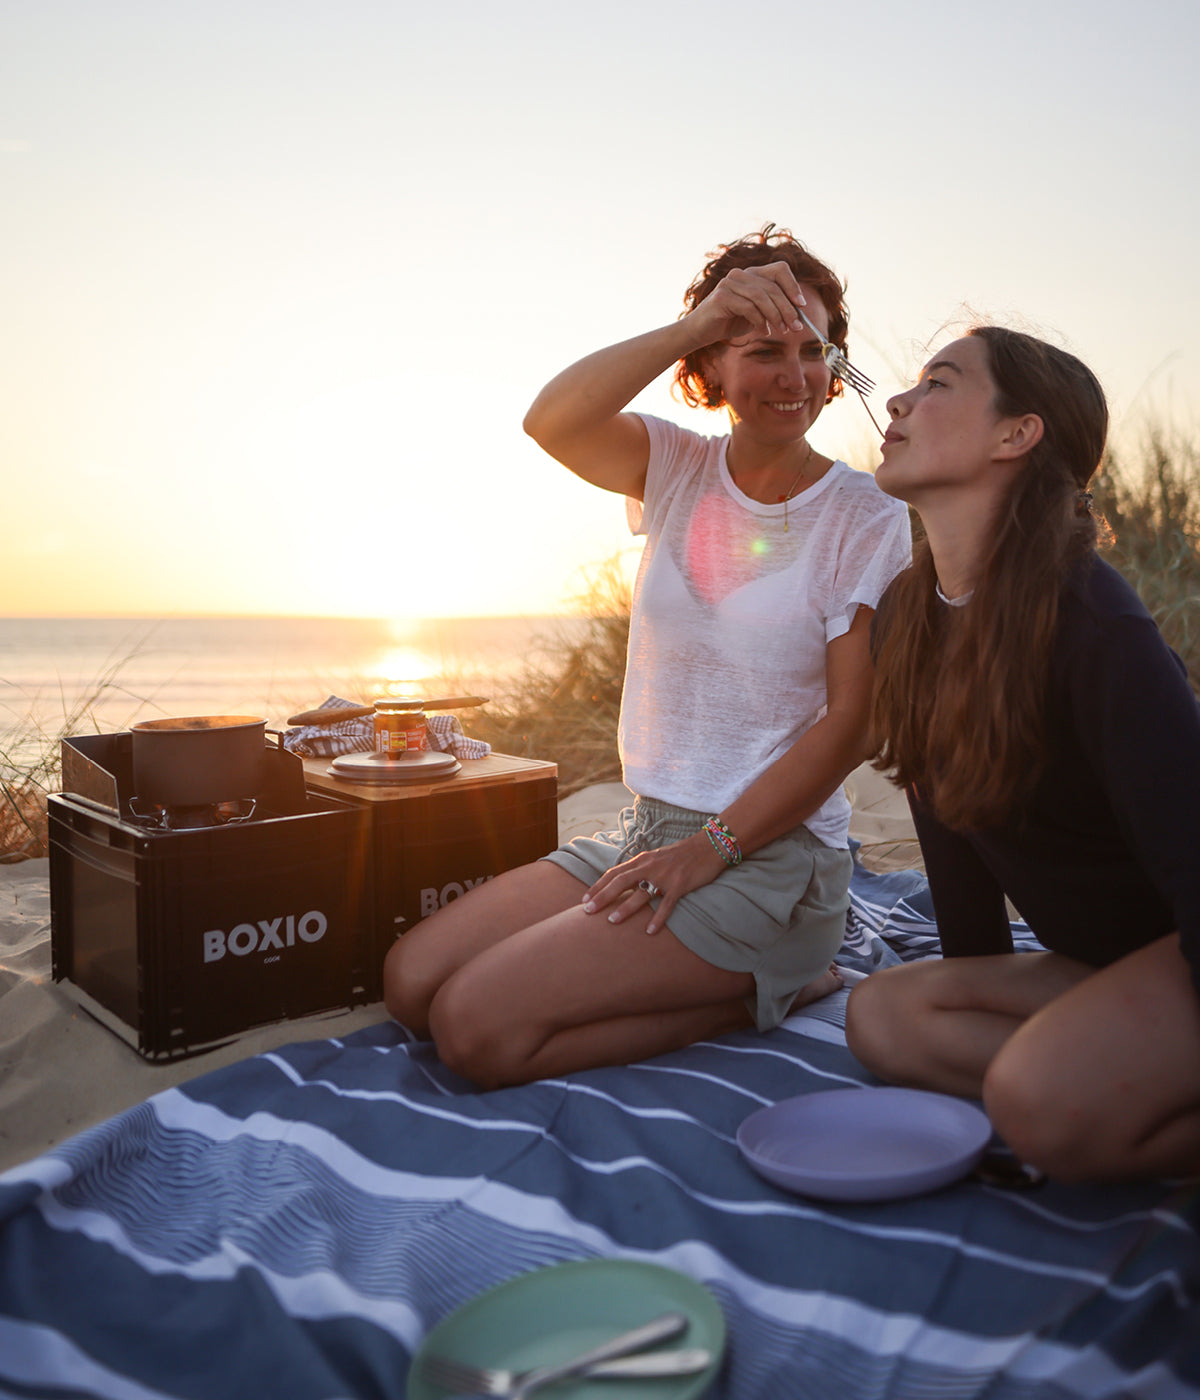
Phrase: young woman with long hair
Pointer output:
(745, 706)
(1049, 743)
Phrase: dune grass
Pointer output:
(30, 768)
(23, 810)
(564, 703)
(1152, 505)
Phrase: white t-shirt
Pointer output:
(731, 617)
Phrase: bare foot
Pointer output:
(830, 981)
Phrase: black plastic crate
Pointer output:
(180, 940)
(432, 843)
(430, 852)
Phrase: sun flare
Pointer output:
(404, 669)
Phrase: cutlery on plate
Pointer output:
(493, 1381)
(509, 1385)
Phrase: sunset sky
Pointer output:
(279, 278)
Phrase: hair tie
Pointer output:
(1083, 502)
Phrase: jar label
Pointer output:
(398, 734)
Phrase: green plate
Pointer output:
(552, 1314)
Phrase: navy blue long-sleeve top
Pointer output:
(1105, 856)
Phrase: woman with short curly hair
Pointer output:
(745, 706)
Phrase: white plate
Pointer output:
(865, 1144)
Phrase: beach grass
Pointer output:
(30, 767)
(1151, 501)
(22, 814)
(563, 704)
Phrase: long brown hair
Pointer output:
(768, 245)
(960, 693)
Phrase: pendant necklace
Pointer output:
(792, 489)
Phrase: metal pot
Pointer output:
(201, 759)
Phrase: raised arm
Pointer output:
(579, 417)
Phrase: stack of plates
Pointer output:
(417, 767)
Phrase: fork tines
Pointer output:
(456, 1375)
(836, 359)
(854, 377)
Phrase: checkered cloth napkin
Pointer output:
(358, 735)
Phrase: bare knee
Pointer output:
(1039, 1124)
(863, 1024)
(469, 1040)
(409, 986)
(455, 1010)
(879, 1017)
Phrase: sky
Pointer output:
(279, 278)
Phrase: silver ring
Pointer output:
(652, 890)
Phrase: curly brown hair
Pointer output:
(768, 245)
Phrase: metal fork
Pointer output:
(494, 1381)
(836, 359)
(486, 1381)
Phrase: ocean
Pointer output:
(89, 675)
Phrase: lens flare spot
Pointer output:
(760, 547)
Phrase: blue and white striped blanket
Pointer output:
(293, 1225)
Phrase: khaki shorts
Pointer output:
(780, 915)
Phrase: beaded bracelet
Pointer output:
(724, 842)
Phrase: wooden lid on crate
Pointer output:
(473, 772)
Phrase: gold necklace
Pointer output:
(792, 490)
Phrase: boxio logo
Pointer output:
(265, 935)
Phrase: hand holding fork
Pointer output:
(836, 359)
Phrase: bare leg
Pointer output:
(418, 963)
(939, 1024)
(515, 982)
(1103, 1083)
(575, 991)
(1087, 1075)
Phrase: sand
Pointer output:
(61, 1070)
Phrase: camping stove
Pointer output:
(153, 816)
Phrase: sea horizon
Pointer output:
(99, 674)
